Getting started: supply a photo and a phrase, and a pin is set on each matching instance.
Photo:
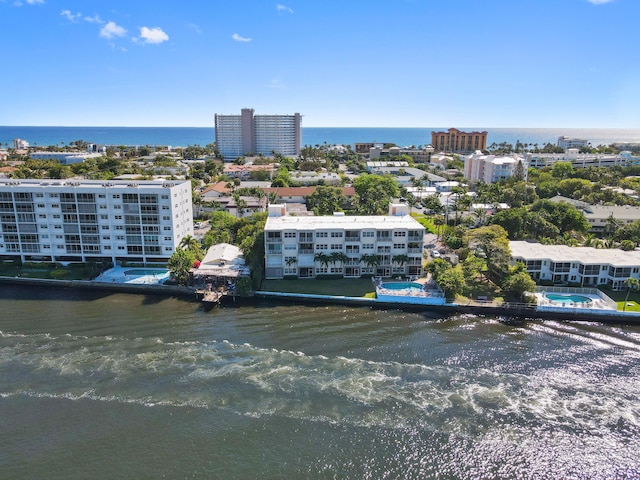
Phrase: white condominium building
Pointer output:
(342, 246)
(245, 134)
(479, 167)
(583, 266)
(79, 221)
(568, 142)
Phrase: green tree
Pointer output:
(562, 170)
(518, 282)
(374, 193)
(179, 265)
(492, 244)
(326, 199)
(452, 282)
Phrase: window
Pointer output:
(321, 246)
(42, 216)
(290, 235)
(322, 234)
(368, 234)
(118, 217)
(41, 205)
(116, 196)
(336, 246)
(337, 234)
(166, 228)
(399, 234)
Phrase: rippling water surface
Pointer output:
(130, 386)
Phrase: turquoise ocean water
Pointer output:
(184, 136)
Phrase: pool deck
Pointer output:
(119, 275)
(595, 303)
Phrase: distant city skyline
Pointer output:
(403, 63)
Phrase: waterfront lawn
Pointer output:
(352, 287)
(633, 302)
(47, 271)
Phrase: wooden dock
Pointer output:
(209, 297)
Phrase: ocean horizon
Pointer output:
(185, 136)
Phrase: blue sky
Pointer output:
(379, 63)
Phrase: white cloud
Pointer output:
(94, 19)
(238, 38)
(111, 30)
(599, 2)
(18, 3)
(195, 28)
(284, 8)
(277, 84)
(72, 17)
(153, 35)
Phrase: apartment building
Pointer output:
(457, 141)
(568, 142)
(80, 221)
(584, 266)
(344, 246)
(490, 168)
(246, 134)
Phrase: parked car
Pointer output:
(435, 254)
(198, 225)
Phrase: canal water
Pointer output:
(126, 386)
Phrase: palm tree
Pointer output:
(322, 258)
(401, 260)
(631, 284)
(370, 259)
(192, 244)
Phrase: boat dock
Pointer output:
(209, 296)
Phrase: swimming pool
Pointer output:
(402, 286)
(567, 298)
(139, 272)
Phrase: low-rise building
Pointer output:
(64, 158)
(601, 217)
(583, 266)
(582, 160)
(342, 246)
(299, 194)
(243, 172)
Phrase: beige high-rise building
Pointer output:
(457, 141)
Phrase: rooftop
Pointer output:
(584, 255)
(357, 222)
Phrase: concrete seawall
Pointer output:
(166, 290)
(505, 310)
